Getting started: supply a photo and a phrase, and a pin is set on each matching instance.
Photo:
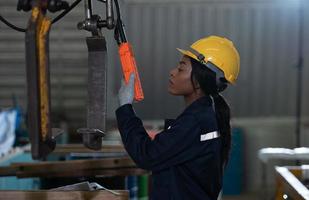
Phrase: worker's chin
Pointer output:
(173, 92)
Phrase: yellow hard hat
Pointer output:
(220, 52)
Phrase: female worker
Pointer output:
(187, 159)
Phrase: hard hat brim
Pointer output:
(187, 53)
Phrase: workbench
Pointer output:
(119, 165)
(63, 195)
(111, 160)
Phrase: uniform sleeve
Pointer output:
(170, 147)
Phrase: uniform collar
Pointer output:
(197, 104)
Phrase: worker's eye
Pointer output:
(180, 69)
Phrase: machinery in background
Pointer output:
(292, 182)
(42, 135)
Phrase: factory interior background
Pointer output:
(271, 36)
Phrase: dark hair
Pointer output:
(207, 83)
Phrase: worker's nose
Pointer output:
(172, 72)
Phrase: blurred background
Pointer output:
(271, 36)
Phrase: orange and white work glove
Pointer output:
(126, 91)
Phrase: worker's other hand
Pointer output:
(126, 91)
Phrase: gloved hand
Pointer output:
(126, 92)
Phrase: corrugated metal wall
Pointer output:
(265, 32)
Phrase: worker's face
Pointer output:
(180, 78)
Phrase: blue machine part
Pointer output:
(233, 176)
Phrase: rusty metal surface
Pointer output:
(38, 84)
(43, 30)
(96, 102)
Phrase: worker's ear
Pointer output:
(196, 85)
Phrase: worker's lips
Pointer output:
(171, 82)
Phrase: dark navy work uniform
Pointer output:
(185, 162)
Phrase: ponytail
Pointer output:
(207, 81)
(223, 119)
